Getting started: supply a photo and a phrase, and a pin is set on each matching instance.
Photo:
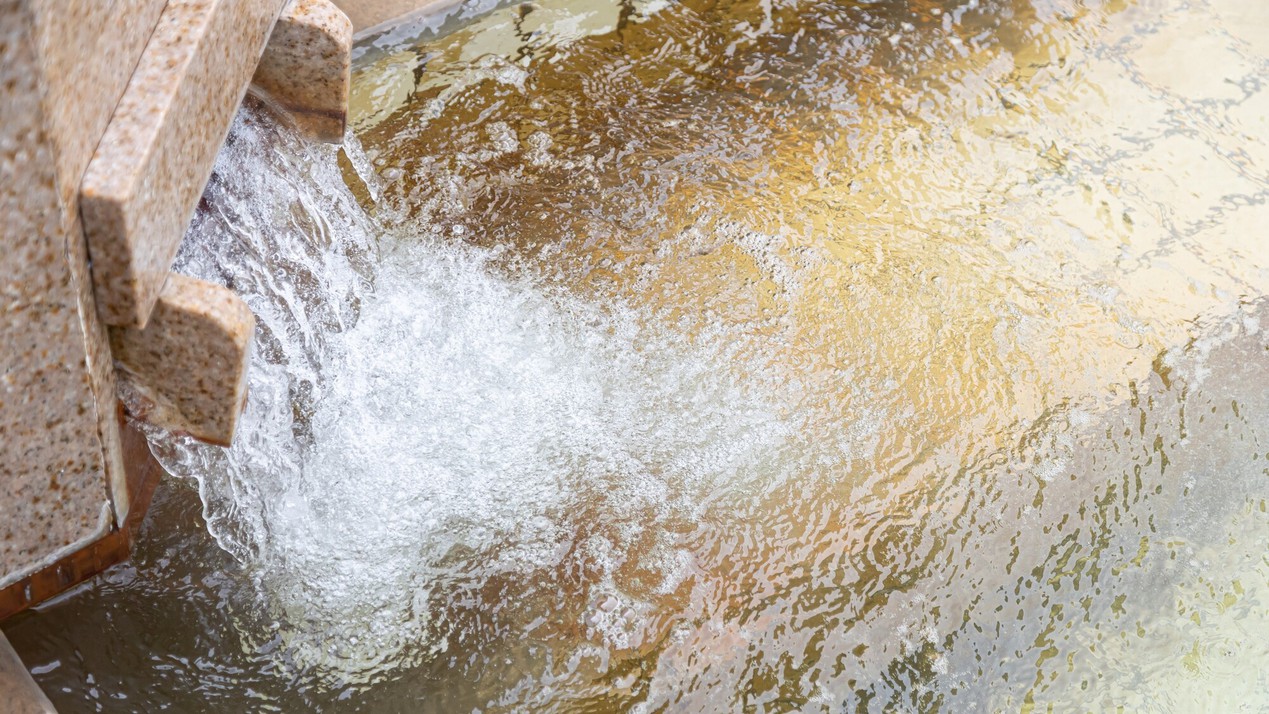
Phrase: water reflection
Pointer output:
(997, 270)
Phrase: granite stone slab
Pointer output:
(149, 171)
(80, 96)
(53, 473)
(78, 99)
(144, 473)
(187, 370)
(307, 64)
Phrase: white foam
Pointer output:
(415, 416)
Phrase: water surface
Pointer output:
(732, 356)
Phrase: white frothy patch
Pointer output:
(416, 418)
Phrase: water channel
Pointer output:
(730, 355)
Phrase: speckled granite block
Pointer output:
(52, 461)
(144, 473)
(186, 371)
(19, 694)
(307, 64)
(145, 179)
(101, 368)
(80, 95)
(78, 100)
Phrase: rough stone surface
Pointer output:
(18, 692)
(81, 95)
(53, 467)
(78, 99)
(144, 474)
(186, 371)
(306, 66)
(145, 179)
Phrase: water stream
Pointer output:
(730, 356)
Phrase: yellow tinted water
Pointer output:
(958, 219)
(1004, 265)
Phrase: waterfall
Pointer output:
(417, 417)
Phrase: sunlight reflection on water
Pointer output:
(772, 356)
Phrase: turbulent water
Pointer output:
(734, 356)
(427, 419)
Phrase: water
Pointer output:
(773, 356)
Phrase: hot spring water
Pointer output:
(447, 424)
(746, 356)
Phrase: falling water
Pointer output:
(416, 417)
(770, 356)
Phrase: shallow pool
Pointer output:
(731, 356)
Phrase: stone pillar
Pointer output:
(111, 115)
(63, 67)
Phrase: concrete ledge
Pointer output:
(187, 370)
(307, 64)
(145, 179)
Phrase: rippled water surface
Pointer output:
(735, 356)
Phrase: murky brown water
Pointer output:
(986, 279)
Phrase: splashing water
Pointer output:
(438, 418)
(732, 356)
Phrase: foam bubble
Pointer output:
(432, 419)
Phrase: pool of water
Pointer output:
(730, 356)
